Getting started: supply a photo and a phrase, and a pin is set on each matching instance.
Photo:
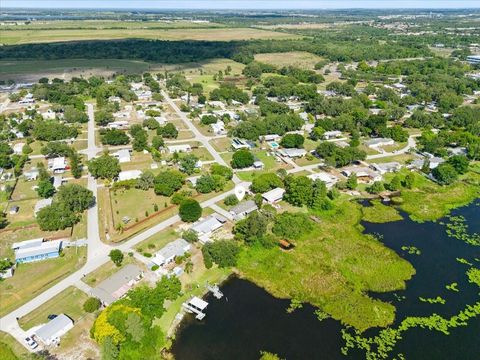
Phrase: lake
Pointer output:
(248, 319)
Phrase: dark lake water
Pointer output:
(248, 319)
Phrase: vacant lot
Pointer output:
(32, 279)
(69, 302)
(300, 59)
(40, 36)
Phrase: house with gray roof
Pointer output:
(168, 253)
(51, 332)
(117, 285)
(36, 250)
(205, 227)
(241, 210)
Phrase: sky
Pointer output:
(240, 4)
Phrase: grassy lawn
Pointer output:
(32, 279)
(69, 302)
(10, 349)
(227, 34)
(394, 147)
(299, 59)
(380, 213)
(158, 241)
(402, 159)
(334, 268)
(429, 201)
(106, 270)
(221, 144)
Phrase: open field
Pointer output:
(300, 59)
(31, 279)
(10, 349)
(334, 268)
(15, 37)
(69, 302)
(380, 213)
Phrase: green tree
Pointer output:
(190, 210)
(445, 174)
(241, 159)
(460, 163)
(205, 184)
(188, 163)
(265, 182)
(376, 187)
(114, 137)
(56, 217)
(291, 225)
(190, 235)
(104, 167)
(134, 327)
(251, 228)
(352, 182)
(167, 182)
(168, 131)
(75, 197)
(45, 188)
(409, 181)
(292, 141)
(116, 256)
(109, 349)
(299, 190)
(230, 200)
(145, 181)
(157, 142)
(222, 252)
(225, 171)
(395, 184)
(91, 305)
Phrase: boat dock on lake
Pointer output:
(196, 306)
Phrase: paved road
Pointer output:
(198, 135)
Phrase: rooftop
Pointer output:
(54, 328)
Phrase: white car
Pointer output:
(32, 344)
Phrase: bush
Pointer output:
(291, 225)
(190, 235)
(91, 305)
(116, 256)
(230, 200)
(190, 210)
(224, 253)
(265, 182)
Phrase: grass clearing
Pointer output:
(334, 268)
(10, 349)
(15, 37)
(301, 59)
(380, 213)
(33, 278)
(69, 302)
(106, 270)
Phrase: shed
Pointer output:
(51, 332)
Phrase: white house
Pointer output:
(274, 195)
(218, 128)
(292, 153)
(129, 175)
(119, 124)
(31, 174)
(239, 144)
(206, 227)
(36, 250)
(122, 155)
(327, 135)
(48, 115)
(51, 332)
(329, 179)
(363, 173)
(241, 210)
(57, 165)
(168, 253)
(18, 147)
(179, 148)
(373, 143)
(388, 167)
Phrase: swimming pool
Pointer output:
(273, 144)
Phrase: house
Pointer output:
(161, 120)
(117, 285)
(122, 155)
(57, 165)
(179, 148)
(114, 99)
(18, 147)
(218, 128)
(239, 144)
(329, 179)
(363, 173)
(473, 59)
(168, 253)
(40, 204)
(51, 332)
(459, 150)
(328, 135)
(31, 174)
(36, 250)
(373, 143)
(241, 210)
(129, 175)
(216, 104)
(257, 164)
(119, 124)
(206, 227)
(433, 162)
(304, 116)
(388, 167)
(269, 137)
(274, 195)
(48, 115)
(292, 153)
(13, 210)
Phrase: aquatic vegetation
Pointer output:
(458, 229)
(380, 346)
(452, 287)
(294, 305)
(399, 297)
(412, 250)
(437, 300)
(321, 315)
(464, 261)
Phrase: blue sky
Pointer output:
(241, 4)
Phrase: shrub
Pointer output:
(91, 305)
(190, 210)
(230, 200)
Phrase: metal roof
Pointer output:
(107, 290)
(44, 248)
(245, 206)
(54, 328)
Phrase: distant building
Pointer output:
(334, 134)
(292, 153)
(376, 142)
(51, 332)
(179, 148)
(239, 144)
(117, 285)
(387, 167)
(57, 165)
(18, 148)
(119, 124)
(473, 59)
(274, 195)
(168, 253)
(329, 179)
(218, 128)
(241, 210)
(36, 250)
(206, 227)
(129, 175)
(363, 173)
